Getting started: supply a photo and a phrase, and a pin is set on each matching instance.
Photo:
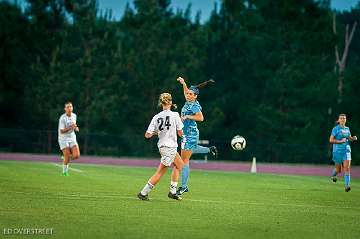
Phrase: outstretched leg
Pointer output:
(161, 170)
(199, 149)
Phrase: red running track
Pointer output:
(295, 169)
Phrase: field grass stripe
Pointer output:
(196, 201)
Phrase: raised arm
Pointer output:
(182, 81)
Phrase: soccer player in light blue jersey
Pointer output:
(340, 138)
(190, 114)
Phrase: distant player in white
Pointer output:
(167, 125)
(67, 137)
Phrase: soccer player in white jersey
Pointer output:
(67, 138)
(167, 125)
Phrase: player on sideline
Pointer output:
(340, 137)
(67, 138)
(167, 125)
(190, 114)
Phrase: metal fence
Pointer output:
(46, 141)
(41, 141)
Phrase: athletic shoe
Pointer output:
(334, 179)
(214, 151)
(142, 197)
(174, 196)
(347, 189)
(182, 190)
(66, 174)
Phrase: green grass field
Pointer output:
(100, 202)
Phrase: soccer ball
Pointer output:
(238, 142)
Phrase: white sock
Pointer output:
(173, 186)
(147, 188)
(65, 168)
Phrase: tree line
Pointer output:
(281, 79)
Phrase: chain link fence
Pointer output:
(42, 141)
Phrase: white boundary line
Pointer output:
(73, 169)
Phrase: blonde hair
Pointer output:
(166, 99)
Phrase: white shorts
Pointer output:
(348, 152)
(348, 155)
(67, 144)
(167, 155)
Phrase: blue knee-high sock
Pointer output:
(334, 172)
(185, 175)
(347, 179)
(201, 150)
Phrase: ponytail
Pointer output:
(205, 83)
(166, 99)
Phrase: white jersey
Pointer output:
(65, 122)
(166, 124)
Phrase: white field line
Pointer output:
(73, 169)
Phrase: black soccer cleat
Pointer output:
(182, 190)
(334, 179)
(347, 189)
(174, 196)
(214, 152)
(142, 197)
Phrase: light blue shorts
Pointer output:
(338, 158)
(190, 139)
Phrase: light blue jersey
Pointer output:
(191, 133)
(190, 108)
(339, 133)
